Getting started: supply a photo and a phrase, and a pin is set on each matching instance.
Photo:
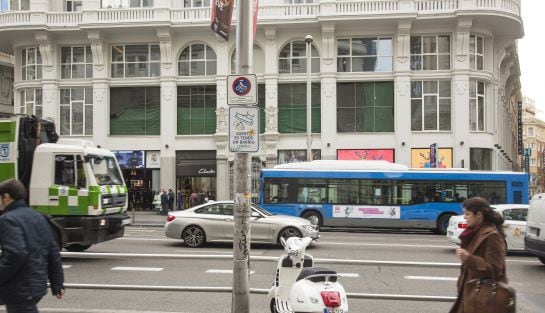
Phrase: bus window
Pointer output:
(344, 191)
(311, 190)
(280, 191)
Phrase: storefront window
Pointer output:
(480, 159)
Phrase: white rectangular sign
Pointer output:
(153, 159)
(243, 128)
(242, 89)
(366, 211)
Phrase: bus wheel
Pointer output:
(76, 247)
(314, 217)
(442, 224)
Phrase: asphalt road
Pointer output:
(526, 274)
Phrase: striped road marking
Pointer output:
(66, 266)
(382, 245)
(60, 310)
(350, 275)
(141, 269)
(431, 278)
(223, 272)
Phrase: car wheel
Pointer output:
(194, 236)
(314, 217)
(273, 306)
(442, 224)
(289, 232)
(76, 247)
(542, 259)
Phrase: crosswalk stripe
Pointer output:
(223, 272)
(431, 278)
(142, 269)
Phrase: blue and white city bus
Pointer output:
(381, 194)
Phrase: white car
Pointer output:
(515, 216)
(213, 221)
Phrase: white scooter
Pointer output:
(300, 287)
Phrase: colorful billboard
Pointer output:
(420, 158)
(366, 154)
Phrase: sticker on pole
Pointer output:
(243, 129)
(241, 89)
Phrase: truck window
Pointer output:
(65, 173)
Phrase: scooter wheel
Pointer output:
(273, 306)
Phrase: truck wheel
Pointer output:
(542, 259)
(76, 247)
(442, 224)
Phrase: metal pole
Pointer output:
(241, 237)
(308, 41)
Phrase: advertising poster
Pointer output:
(130, 159)
(366, 211)
(222, 14)
(420, 158)
(366, 154)
(292, 156)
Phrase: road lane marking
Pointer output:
(149, 239)
(431, 278)
(349, 275)
(523, 261)
(59, 310)
(223, 272)
(65, 266)
(382, 245)
(141, 269)
(192, 251)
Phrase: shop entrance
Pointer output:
(139, 184)
(205, 188)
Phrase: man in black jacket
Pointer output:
(30, 255)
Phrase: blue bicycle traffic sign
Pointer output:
(241, 89)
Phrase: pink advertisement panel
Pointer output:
(366, 154)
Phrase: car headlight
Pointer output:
(310, 228)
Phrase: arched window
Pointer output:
(259, 61)
(197, 60)
(293, 58)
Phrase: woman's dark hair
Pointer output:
(478, 204)
(14, 188)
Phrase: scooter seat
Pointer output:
(316, 271)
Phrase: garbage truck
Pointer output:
(74, 182)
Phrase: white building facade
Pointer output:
(148, 78)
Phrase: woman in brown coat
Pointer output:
(482, 248)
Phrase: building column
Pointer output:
(168, 110)
(402, 94)
(101, 90)
(460, 94)
(50, 85)
(223, 180)
(328, 94)
(271, 99)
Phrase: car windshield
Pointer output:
(105, 170)
(261, 210)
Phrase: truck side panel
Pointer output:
(8, 154)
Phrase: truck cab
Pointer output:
(77, 184)
(534, 241)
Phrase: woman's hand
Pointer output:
(462, 254)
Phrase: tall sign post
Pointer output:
(242, 120)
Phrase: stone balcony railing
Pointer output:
(329, 9)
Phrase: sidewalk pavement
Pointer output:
(146, 218)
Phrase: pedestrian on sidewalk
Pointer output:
(30, 255)
(164, 202)
(171, 197)
(180, 200)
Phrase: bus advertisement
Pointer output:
(380, 194)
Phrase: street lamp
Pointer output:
(308, 40)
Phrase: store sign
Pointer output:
(153, 159)
(519, 130)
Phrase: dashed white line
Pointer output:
(223, 272)
(349, 275)
(141, 269)
(382, 245)
(431, 278)
(65, 266)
